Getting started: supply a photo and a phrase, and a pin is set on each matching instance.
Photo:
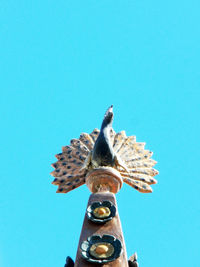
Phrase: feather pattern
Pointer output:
(138, 185)
(140, 177)
(68, 186)
(119, 140)
(94, 134)
(87, 140)
(142, 163)
(138, 173)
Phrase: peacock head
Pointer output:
(108, 117)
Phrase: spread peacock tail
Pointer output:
(139, 172)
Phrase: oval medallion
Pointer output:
(101, 212)
(100, 250)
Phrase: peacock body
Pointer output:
(101, 148)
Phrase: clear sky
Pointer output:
(62, 63)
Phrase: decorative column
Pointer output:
(104, 160)
(101, 240)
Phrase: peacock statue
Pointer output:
(104, 148)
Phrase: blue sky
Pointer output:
(61, 65)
